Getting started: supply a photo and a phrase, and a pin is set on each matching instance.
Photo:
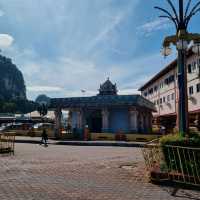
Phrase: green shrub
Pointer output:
(192, 141)
(179, 158)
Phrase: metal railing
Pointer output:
(174, 163)
(183, 164)
(7, 143)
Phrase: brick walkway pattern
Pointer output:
(79, 173)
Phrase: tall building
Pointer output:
(162, 90)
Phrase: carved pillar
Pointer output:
(150, 122)
(105, 120)
(133, 117)
(69, 117)
(147, 122)
(79, 125)
(141, 119)
(58, 116)
(80, 119)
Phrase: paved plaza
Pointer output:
(79, 173)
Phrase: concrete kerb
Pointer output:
(102, 143)
(83, 143)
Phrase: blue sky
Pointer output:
(65, 46)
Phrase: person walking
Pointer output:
(44, 137)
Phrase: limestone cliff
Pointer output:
(12, 84)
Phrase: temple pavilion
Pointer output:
(107, 112)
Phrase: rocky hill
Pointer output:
(12, 84)
(42, 99)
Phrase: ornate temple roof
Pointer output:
(108, 88)
(107, 97)
(101, 101)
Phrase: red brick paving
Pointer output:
(79, 173)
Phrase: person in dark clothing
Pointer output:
(44, 137)
(68, 128)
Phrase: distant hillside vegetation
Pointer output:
(12, 84)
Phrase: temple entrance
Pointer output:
(94, 121)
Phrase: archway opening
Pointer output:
(94, 121)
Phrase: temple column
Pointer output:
(79, 126)
(58, 116)
(80, 119)
(105, 120)
(150, 121)
(133, 117)
(147, 122)
(141, 119)
(69, 117)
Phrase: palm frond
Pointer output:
(187, 20)
(194, 8)
(167, 12)
(173, 8)
(187, 8)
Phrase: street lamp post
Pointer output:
(181, 40)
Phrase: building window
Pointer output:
(169, 80)
(194, 66)
(189, 68)
(155, 88)
(157, 102)
(160, 100)
(161, 85)
(198, 87)
(173, 95)
(191, 91)
(168, 97)
(166, 81)
(145, 94)
(151, 91)
(198, 67)
(163, 99)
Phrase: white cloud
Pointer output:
(43, 89)
(6, 40)
(153, 26)
(82, 45)
(79, 93)
(66, 76)
(112, 21)
(129, 91)
(105, 32)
